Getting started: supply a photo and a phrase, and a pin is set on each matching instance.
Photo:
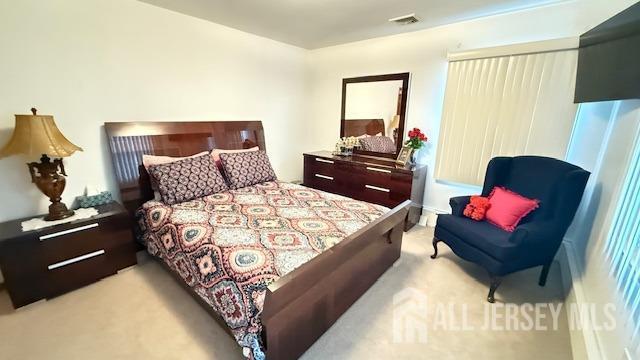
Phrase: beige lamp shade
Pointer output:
(35, 135)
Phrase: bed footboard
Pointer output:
(302, 305)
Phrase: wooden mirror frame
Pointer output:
(404, 77)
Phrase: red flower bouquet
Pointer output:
(416, 139)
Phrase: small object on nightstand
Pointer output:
(48, 262)
(87, 201)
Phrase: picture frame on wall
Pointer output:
(404, 157)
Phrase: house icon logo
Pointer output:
(410, 316)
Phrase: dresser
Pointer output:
(370, 179)
(47, 262)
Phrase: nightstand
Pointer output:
(48, 262)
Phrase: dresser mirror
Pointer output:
(374, 111)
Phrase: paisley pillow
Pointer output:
(150, 160)
(247, 168)
(188, 179)
(383, 144)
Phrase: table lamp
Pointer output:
(37, 135)
(393, 127)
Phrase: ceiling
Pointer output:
(313, 24)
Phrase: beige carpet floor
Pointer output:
(142, 313)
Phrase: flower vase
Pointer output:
(414, 157)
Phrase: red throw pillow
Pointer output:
(477, 207)
(508, 208)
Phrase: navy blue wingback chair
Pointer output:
(559, 187)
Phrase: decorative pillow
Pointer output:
(247, 168)
(150, 160)
(215, 153)
(477, 207)
(188, 179)
(367, 135)
(382, 144)
(507, 208)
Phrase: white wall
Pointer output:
(423, 53)
(91, 61)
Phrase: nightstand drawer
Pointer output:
(75, 241)
(76, 272)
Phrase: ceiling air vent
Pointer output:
(405, 19)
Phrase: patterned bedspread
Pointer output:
(230, 246)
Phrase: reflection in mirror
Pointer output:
(372, 109)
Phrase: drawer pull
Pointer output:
(65, 232)
(379, 170)
(75, 259)
(324, 160)
(376, 188)
(324, 177)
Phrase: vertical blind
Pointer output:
(623, 248)
(505, 105)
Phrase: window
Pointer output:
(623, 247)
(505, 105)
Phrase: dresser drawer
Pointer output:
(76, 272)
(381, 195)
(400, 183)
(327, 175)
(387, 188)
(320, 166)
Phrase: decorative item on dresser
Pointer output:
(417, 140)
(48, 262)
(404, 157)
(35, 136)
(370, 179)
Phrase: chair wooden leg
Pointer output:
(543, 274)
(495, 282)
(435, 247)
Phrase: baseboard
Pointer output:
(584, 342)
(429, 215)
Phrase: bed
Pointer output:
(359, 127)
(275, 263)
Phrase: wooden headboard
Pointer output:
(357, 127)
(128, 141)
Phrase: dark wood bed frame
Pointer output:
(357, 127)
(300, 306)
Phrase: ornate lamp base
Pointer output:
(58, 211)
(48, 176)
